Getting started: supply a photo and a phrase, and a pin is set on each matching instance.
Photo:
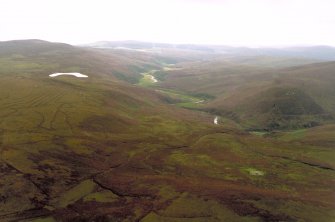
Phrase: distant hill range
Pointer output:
(292, 88)
(326, 53)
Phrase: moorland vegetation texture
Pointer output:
(118, 146)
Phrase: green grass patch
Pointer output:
(81, 190)
(103, 197)
(259, 133)
(147, 80)
(45, 219)
(253, 171)
(293, 135)
(184, 100)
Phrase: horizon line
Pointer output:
(181, 43)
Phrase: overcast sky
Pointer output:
(229, 22)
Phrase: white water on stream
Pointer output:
(216, 120)
(153, 79)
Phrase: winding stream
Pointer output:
(153, 79)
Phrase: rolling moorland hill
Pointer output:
(38, 57)
(104, 149)
(35, 55)
(260, 97)
(58, 132)
(295, 98)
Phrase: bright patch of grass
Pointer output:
(293, 135)
(103, 197)
(76, 193)
(254, 172)
(46, 219)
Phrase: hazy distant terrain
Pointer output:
(326, 53)
(136, 141)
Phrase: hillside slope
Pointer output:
(98, 149)
(40, 58)
(294, 98)
(258, 96)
